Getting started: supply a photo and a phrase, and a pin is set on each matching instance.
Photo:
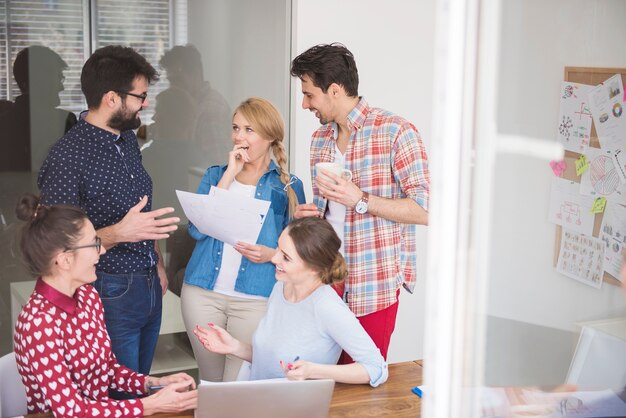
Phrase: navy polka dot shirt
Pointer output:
(103, 174)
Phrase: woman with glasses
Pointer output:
(62, 348)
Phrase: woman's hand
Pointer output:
(173, 398)
(216, 339)
(256, 253)
(173, 378)
(298, 370)
(238, 157)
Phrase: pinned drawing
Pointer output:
(574, 117)
(581, 257)
(569, 208)
(613, 234)
(605, 103)
(603, 177)
(570, 212)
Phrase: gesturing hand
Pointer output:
(139, 226)
(216, 339)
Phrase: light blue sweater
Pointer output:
(316, 330)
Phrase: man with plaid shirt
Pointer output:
(376, 212)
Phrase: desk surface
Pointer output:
(392, 399)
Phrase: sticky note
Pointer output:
(558, 167)
(581, 165)
(598, 205)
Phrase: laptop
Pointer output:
(271, 398)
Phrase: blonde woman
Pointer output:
(229, 285)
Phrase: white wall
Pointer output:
(392, 43)
(539, 38)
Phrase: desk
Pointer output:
(392, 399)
(170, 355)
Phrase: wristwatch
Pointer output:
(361, 205)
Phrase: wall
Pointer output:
(538, 39)
(392, 43)
(245, 47)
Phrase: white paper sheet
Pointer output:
(602, 178)
(613, 233)
(581, 257)
(569, 208)
(226, 216)
(574, 126)
(607, 107)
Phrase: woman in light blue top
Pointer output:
(306, 325)
(229, 285)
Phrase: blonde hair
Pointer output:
(267, 122)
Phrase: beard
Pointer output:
(123, 120)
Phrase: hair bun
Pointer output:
(27, 207)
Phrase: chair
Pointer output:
(12, 393)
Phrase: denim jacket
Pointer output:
(253, 278)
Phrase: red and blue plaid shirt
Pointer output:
(387, 158)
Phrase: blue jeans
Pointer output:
(132, 312)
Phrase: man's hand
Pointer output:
(139, 226)
(338, 189)
(306, 210)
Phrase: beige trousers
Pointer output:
(238, 316)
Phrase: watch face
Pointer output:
(361, 207)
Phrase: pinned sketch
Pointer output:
(606, 105)
(603, 178)
(619, 159)
(581, 258)
(574, 127)
(569, 208)
(613, 234)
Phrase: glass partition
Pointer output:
(541, 327)
(208, 65)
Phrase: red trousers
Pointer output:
(379, 325)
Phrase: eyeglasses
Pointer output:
(97, 245)
(142, 96)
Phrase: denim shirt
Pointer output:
(253, 278)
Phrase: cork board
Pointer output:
(593, 77)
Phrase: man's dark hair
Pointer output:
(326, 64)
(113, 68)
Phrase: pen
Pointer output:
(155, 388)
(289, 365)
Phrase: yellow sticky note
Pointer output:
(581, 165)
(598, 205)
